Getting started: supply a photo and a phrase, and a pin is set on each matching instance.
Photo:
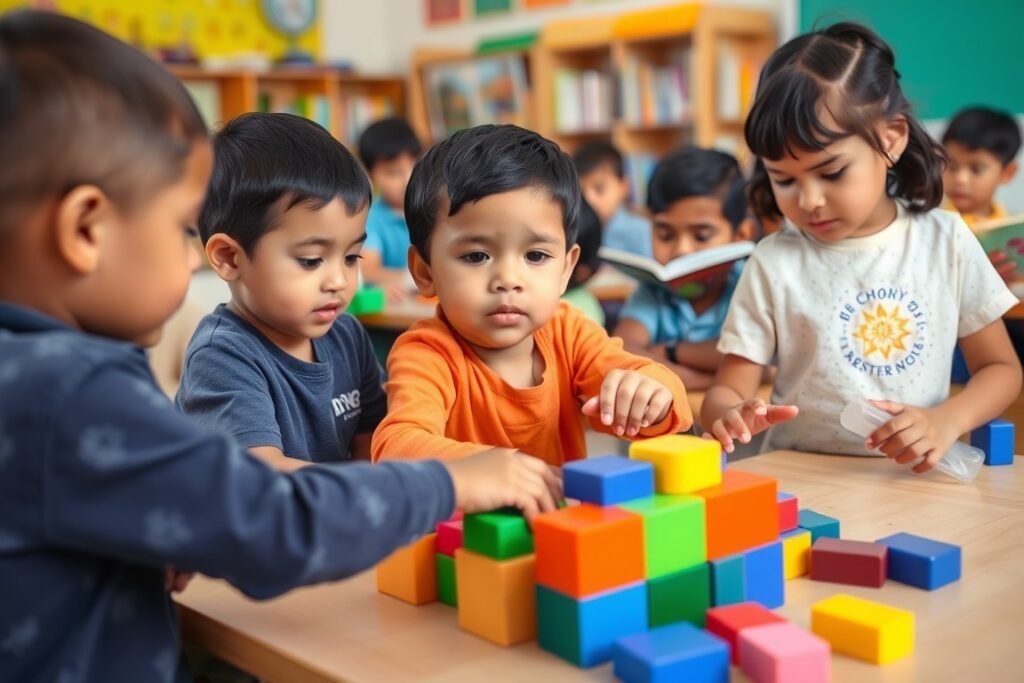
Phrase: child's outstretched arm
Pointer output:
(731, 409)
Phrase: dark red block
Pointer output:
(852, 562)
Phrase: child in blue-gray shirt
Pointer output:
(104, 162)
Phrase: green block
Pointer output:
(727, 580)
(684, 596)
(366, 301)
(674, 531)
(501, 534)
(446, 592)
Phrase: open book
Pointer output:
(1005, 235)
(684, 276)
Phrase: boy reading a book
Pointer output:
(493, 216)
(696, 197)
(605, 186)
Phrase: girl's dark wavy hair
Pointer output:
(850, 71)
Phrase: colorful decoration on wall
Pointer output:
(443, 11)
(484, 8)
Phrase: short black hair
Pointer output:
(78, 106)
(592, 155)
(479, 162)
(386, 140)
(983, 128)
(260, 159)
(698, 172)
(589, 239)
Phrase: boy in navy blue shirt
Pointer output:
(104, 162)
(281, 367)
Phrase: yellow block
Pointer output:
(410, 573)
(682, 464)
(795, 553)
(497, 598)
(864, 629)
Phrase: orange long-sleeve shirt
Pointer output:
(444, 402)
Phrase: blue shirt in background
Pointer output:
(628, 232)
(387, 234)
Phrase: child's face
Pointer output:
(391, 177)
(689, 225)
(972, 177)
(303, 273)
(604, 191)
(498, 267)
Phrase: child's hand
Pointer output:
(913, 433)
(1003, 265)
(176, 580)
(629, 401)
(746, 419)
(502, 477)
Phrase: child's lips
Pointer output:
(328, 312)
(506, 315)
(822, 225)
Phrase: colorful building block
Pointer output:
(449, 537)
(447, 592)
(727, 622)
(996, 440)
(496, 598)
(818, 524)
(683, 596)
(763, 579)
(741, 513)
(921, 562)
(864, 629)
(788, 511)
(585, 549)
(796, 547)
(727, 580)
(410, 573)
(500, 534)
(680, 652)
(584, 631)
(682, 464)
(367, 300)
(784, 653)
(607, 480)
(852, 562)
(673, 532)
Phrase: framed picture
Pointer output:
(443, 11)
(486, 8)
(473, 92)
(540, 4)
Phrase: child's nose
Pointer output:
(508, 276)
(810, 198)
(336, 280)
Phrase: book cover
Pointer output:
(1005, 235)
(685, 276)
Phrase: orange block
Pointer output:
(497, 598)
(740, 513)
(410, 573)
(586, 549)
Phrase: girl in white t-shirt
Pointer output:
(868, 288)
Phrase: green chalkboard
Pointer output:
(950, 54)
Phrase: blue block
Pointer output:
(959, 374)
(679, 652)
(608, 479)
(782, 495)
(764, 578)
(996, 439)
(584, 631)
(818, 524)
(727, 580)
(921, 562)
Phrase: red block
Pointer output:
(788, 518)
(727, 622)
(852, 562)
(449, 537)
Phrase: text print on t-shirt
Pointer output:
(883, 331)
(347, 405)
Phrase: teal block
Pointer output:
(501, 534)
(818, 524)
(446, 592)
(674, 532)
(728, 580)
(584, 631)
(683, 596)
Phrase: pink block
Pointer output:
(728, 621)
(449, 537)
(784, 653)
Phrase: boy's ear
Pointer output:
(571, 259)
(421, 273)
(225, 255)
(747, 230)
(83, 218)
(1009, 171)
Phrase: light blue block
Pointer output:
(584, 631)
(680, 652)
(818, 524)
(727, 580)
(764, 578)
(608, 479)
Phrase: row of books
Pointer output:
(584, 100)
(655, 95)
(357, 111)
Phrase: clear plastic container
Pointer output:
(962, 462)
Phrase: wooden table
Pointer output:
(972, 630)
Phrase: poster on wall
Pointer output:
(485, 8)
(475, 92)
(443, 11)
(541, 4)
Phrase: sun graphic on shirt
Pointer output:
(883, 331)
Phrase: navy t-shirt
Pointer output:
(240, 381)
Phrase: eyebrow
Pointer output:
(533, 235)
(317, 241)
(826, 162)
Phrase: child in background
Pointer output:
(589, 241)
(604, 185)
(281, 367)
(867, 290)
(104, 161)
(697, 200)
(388, 149)
(493, 214)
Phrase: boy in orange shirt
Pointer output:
(492, 214)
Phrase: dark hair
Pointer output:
(987, 129)
(386, 140)
(697, 172)
(850, 71)
(594, 154)
(589, 239)
(80, 107)
(260, 159)
(483, 161)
